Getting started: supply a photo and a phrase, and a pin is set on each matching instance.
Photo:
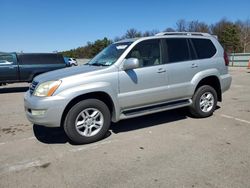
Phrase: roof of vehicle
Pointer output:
(38, 54)
(4, 53)
(171, 34)
(184, 33)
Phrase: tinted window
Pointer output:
(177, 50)
(148, 53)
(6, 58)
(192, 50)
(29, 59)
(204, 48)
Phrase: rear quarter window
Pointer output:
(31, 59)
(204, 48)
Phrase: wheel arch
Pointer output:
(212, 81)
(102, 96)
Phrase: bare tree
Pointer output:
(244, 34)
(196, 26)
(118, 38)
(181, 25)
(169, 29)
(150, 33)
(132, 33)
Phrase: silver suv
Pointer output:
(131, 78)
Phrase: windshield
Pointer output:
(110, 54)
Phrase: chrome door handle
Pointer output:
(161, 70)
(194, 65)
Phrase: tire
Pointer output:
(87, 121)
(204, 102)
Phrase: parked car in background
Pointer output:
(70, 61)
(131, 78)
(24, 67)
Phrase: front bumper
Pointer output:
(51, 107)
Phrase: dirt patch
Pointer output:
(14, 129)
(45, 165)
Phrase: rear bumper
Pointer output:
(50, 108)
(226, 81)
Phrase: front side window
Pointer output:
(147, 52)
(6, 59)
(109, 55)
(177, 50)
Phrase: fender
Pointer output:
(105, 87)
(203, 74)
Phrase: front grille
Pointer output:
(33, 87)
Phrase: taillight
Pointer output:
(226, 59)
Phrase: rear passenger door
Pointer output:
(180, 67)
(205, 50)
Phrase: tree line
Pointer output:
(234, 36)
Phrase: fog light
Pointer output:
(38, 112)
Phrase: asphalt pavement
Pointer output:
(168, 149)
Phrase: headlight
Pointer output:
(47, 88)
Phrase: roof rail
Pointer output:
(184, 33)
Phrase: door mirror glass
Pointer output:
(131, 63)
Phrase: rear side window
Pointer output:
(29, 59)
(204, 48)
(177, 50)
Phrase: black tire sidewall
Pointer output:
(69, 125)
(196, 101)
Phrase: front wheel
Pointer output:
(204, 102)
(87, 121)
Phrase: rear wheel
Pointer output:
(87, 121)
(204, 102)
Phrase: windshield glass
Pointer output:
(109, 55)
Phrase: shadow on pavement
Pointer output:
(57, 135)
(149, 120)
(13, 90)
(50, 135)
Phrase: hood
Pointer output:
(66, 72)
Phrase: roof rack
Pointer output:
(184, 33)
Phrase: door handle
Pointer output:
(194, 65)
(161, 70)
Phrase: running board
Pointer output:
(154, 108)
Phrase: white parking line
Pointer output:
(235, 118)
(24, 166)
(21, 140)
(37, 163)
(30, 138)
(92, 146)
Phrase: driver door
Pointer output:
(148, 83)
(8, 68)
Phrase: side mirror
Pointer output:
(131, 63)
